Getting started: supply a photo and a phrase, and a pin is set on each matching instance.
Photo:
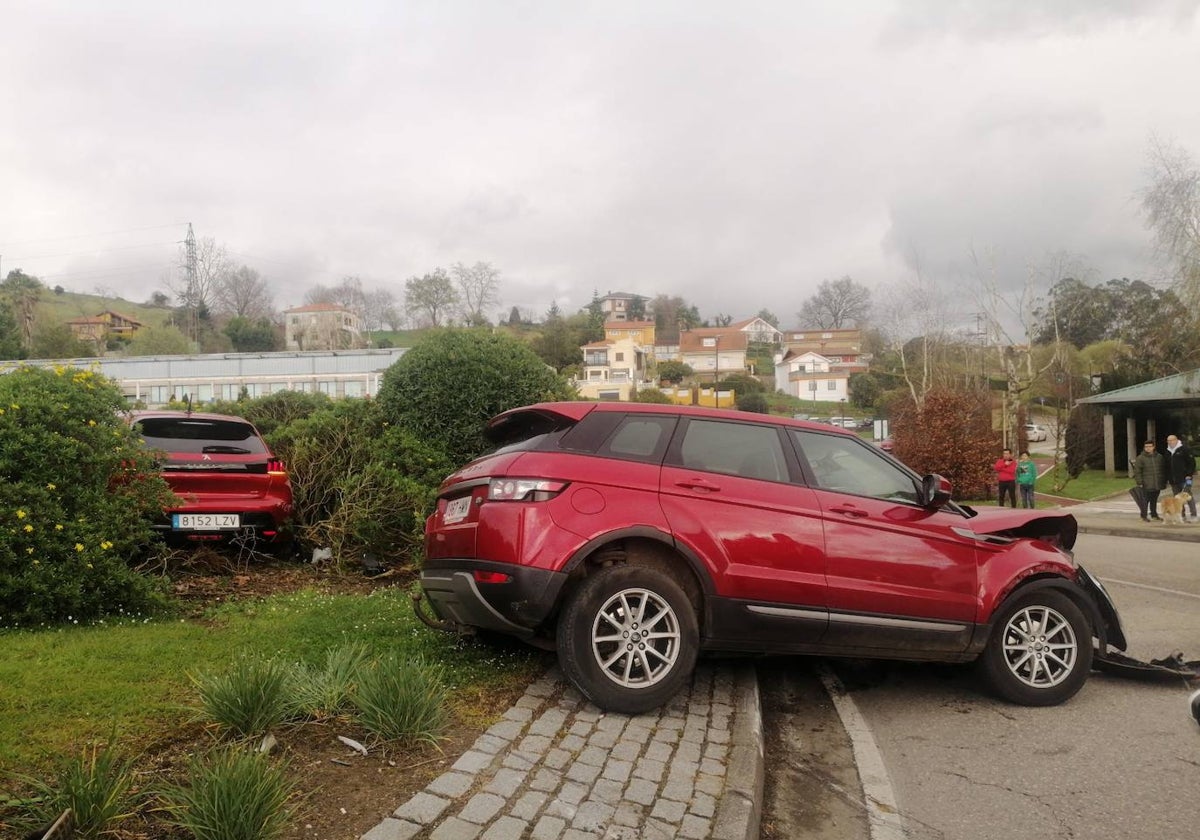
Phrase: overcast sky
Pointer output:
(733, 153)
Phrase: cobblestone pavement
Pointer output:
(558, 768)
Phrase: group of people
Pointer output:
(1154, 472)
(1012, 475)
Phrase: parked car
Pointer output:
(631, 538)
(232, 489)
(887, 445)
(1035, 432)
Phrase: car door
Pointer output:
(730, 495)
(899, 575)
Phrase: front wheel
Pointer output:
(1040, 652)
(628, 638)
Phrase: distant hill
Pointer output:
(63, 307)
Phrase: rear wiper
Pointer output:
(225, 450)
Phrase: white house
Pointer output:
(612, 369)
(811, 376)
(713, 352)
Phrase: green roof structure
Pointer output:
(1180, 388)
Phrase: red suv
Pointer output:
(630, 537)
(232, 488)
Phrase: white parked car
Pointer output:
(1035, 433)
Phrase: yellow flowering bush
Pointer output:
(77, 494)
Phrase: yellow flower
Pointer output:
(51, 486)
(79, 546)
(105, 545)
(89, 565)
(29, 551)
(28, 528)
(20, 514)
(91, 422)
(58, 527)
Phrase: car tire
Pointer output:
(1040, 651)
(608, 652)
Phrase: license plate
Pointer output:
(457, 510)
(206, 521)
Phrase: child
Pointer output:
(1026, 476)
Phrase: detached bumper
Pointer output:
(1109, 631)
(517, 606)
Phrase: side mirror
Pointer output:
(935, 491)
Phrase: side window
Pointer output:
(742, 449)
(639, 438)
(843, 465)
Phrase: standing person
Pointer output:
(1150, 473)
(1006, 477)
(1026, 478)
(1181, 463)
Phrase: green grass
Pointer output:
(64, 688)
(1090, 485)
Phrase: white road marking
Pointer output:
(883, 814)
(1151, 588)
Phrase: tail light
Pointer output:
(483, 576)
(524, 489)
(275, 467)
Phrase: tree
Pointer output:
(722, 320)
(864, 390)
(479, 288)
(559, 342)
(769, 317)
(196, 291)
(837, 304)
(159, 341)
(1076, 313)
(256, 336)
(431, 298)
(22, 293)
(10, 337)
(380, 311)
(56, 341)
(243, 293)
(949, 434)
(1171, 204)
(451, 382)
(674, 371)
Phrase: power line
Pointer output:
(118, 269)
(87, 235)
(90, 252)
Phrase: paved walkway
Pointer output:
(557, 768)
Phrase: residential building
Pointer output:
(640, 332)
(811, 376)
(101, 327)
(618, 306)
(321, 326)
(839, 346)
(759, 330)
(613, 369)
(713, 352)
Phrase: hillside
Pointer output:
(54, 307)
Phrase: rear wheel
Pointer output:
(628, 638)
(1040, 652)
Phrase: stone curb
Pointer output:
(1106, 527)
(740, 813)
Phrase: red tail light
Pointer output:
(524, 489)
(490, 577)
(275, 467)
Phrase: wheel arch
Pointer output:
(1067, 587)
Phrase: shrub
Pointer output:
(251, 698)
(97, 787)
(274, 411)
(951, 435)
(652, 395)
(324, 691)
(78, 492)
(231, 795)
(673, 371)
(402, 699)
(451, 382)
(755, 402)
(357, 481)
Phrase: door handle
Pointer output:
(698, 484)
(849, 511)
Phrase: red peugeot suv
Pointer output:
(630, 537)
(233, 490)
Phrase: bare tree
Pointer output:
(837, 304)
(915, 322)
(379, 311)
(243, 293)
(479, 287)
(1171, 205)
(212, 267)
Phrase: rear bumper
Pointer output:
(517, 606)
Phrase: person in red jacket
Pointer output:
(1006, 477)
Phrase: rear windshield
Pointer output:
(186, 434)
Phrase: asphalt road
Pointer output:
(1121, 760)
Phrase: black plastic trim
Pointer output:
(517, 607)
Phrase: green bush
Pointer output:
(231, 795)
(358, 482)
(274, 411)
(97, 787)
(652, 395)
(327, 690)
(403, 699)
(251, 698)
(450, 383)
(755, 402)
(77, 494)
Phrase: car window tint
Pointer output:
(736, 448)
(195, 435)
(589, 434)
(640, 437)
(844, 465)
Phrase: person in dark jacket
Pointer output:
(1181, 464)
(1150, 473)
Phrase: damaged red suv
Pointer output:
(233, 490)
(632, 537)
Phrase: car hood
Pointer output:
(1058, 528)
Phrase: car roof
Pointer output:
(578, 409)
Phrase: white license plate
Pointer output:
(206, 521)
(457, 510)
